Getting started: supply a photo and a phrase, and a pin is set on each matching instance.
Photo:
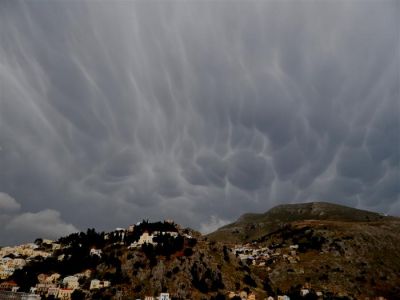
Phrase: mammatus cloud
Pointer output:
(111, 113)
(16, 226)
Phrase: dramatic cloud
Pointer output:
(197, 111)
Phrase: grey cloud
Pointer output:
(7, 203)
(357, 163)
(249, 171)
(110, 113)
(16, 226)
(46, 224)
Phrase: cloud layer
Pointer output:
(197, 111)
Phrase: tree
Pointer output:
(249, 281)
(220, 297)
(78, 295)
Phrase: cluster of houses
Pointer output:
(163, 296)
(13, 258)
(54, 285)
(264, 256)
(243, 295)
(63, 288)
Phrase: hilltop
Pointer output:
(252, 226)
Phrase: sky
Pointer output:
(197, 111)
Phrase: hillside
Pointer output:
(330, 247)
(304, 251)
(142, 261)
(250, 227)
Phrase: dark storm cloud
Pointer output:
(197, 111)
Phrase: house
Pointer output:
(232, 294)
(71, 282)
(270, 298)
(18, 263)
(145, 238)
(251, 296)
(29, 297)
(53, 291)
(43, 288)
(5, 273)
(98, 284)
(56, 246)
(7, 285)
(243, 295)
(65, 294)
(148, 298)
(42, 278)
(164, 296)
(292, 260)
(97, 252)
(171, 233)
(304, 292)
(84, 274)
(53, 278)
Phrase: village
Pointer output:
(264, 256)
(78, 285)
(54, 286)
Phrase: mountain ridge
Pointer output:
(263, 223)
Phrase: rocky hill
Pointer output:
(141, 261)
(249, 227)
(330, 247)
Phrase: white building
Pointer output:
(98, 284)
(30, 297)
(304, 292)
(164, 296)
(71, 282)
(65, 294)
(53, 291)
(97, 252)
